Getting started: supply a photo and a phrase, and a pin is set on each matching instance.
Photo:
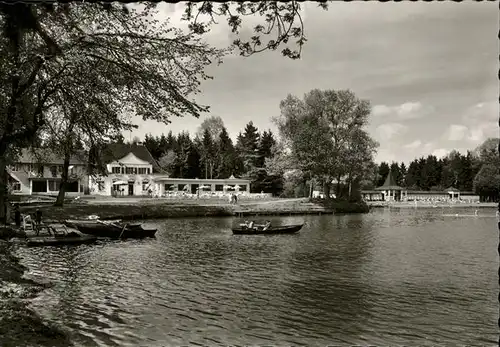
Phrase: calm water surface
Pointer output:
(409, 277)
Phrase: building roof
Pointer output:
(452, 189)
(20, 176)
(116, 151)
(389, 184)
(47, 156)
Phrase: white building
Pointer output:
(39, 172)
(129, 168)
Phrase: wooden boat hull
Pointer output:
(59, 240)
(112, 230)
(286, 229)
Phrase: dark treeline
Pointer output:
(211, 154)
(476, 171)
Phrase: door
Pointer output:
(130, 189)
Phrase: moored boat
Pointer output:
(58, 240)
(285, 229)
(111, 229)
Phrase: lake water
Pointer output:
(410, 277)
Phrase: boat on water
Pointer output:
(111, 229)
(272, 230)
(59, 240)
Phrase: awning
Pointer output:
(119, 183)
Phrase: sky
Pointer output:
(429, 70)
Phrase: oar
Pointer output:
(122, 231)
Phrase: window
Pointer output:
(148, 171)
(53, 170)
(219, 187)
(145, 185)
(60, 169)
(129, 170)
(243, 188)
(39, 170)
(116, 170)
(16, 187)
(53, 186)
(72, 187)
(142, 171)
(39, 186)
(135, 171)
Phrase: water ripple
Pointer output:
(398, 277)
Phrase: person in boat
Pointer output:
(267, 225)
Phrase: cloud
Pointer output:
(389, 130)
(405, 111)
(481, 112)
(385, 155)
(456, 132)
(413, 145)
(440, 152)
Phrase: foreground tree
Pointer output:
(149, 69)
(322, 131)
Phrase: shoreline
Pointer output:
(17, 321)
(158, 209)
(379, 204)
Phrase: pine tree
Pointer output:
(402, 172)
(383, 171)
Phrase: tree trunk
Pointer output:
(326, 189)
(311, 188)
(64, 181)
(338, 187)
(350, 186)
(4, 196)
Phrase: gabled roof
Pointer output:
(451, 189)
(46, 156)
(389, 184)
(116, 151)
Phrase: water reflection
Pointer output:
(389, 277)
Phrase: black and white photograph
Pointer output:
(249, 173)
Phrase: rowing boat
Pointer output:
(285, 229)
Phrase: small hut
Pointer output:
(390, 190)
(453, 192)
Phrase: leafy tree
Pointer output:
(122, 55)
(167, 161)
(359, 155)
(320, 129)
(487, 183)
(214, 124)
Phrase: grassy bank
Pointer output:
(20, 326)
